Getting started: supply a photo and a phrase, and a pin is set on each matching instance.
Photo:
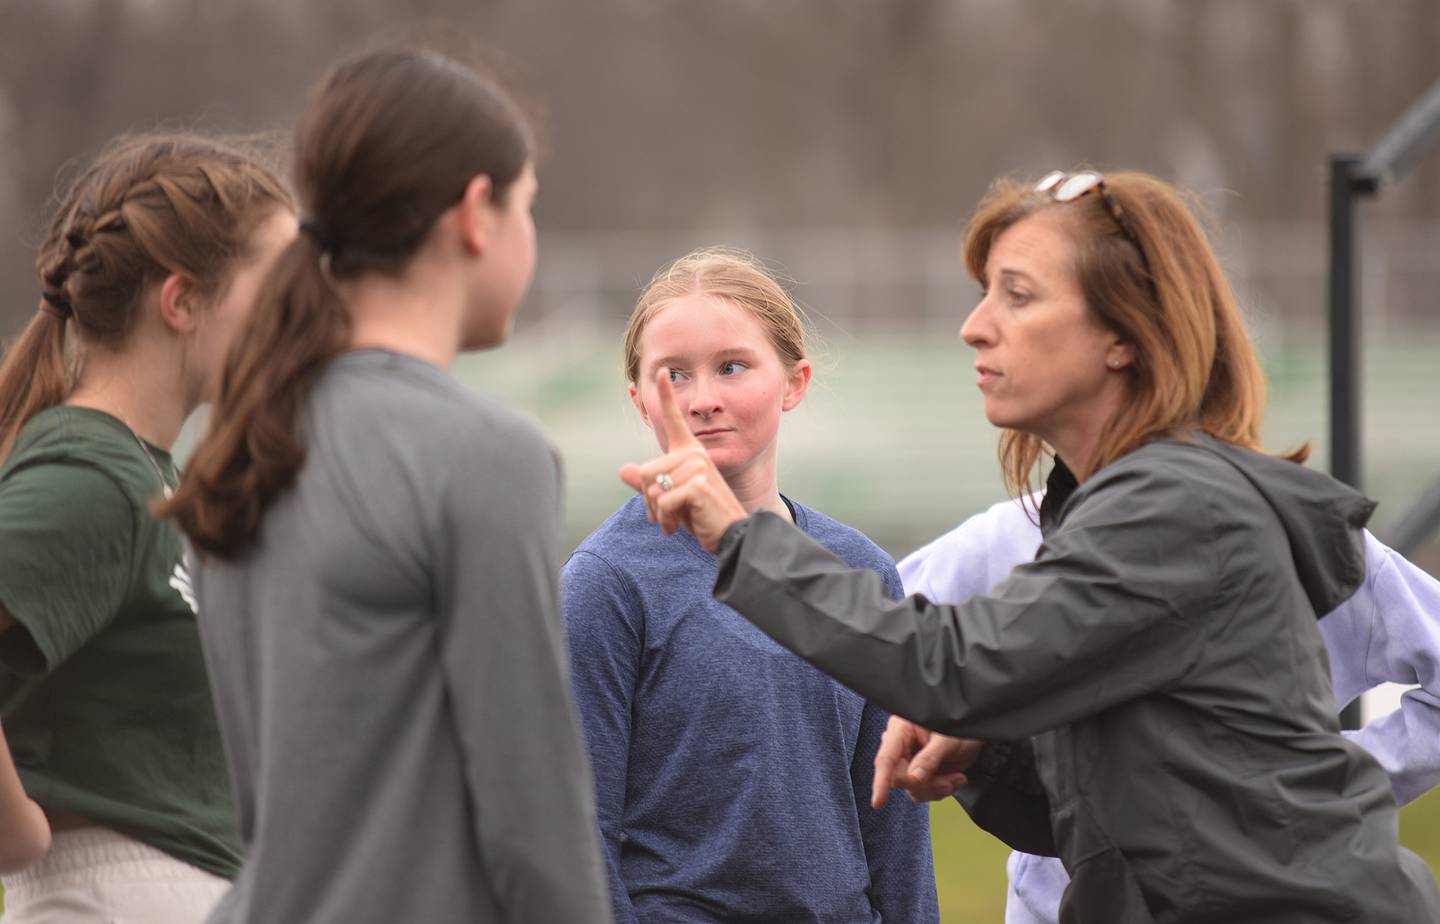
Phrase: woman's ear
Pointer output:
(476, 214)
(180, 304)
(796, 384)
(640, 405)
(1120, 355)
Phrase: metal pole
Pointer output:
(1344, 346)
(1344, 328)
(1407, 140)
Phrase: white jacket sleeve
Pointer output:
(976, 555)
(1389, 632)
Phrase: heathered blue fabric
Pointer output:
(732, 778)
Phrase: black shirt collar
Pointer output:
(1058, 488)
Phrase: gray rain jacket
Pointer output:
(1159, 677)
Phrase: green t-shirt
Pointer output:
(103, 688)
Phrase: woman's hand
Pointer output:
(926, 765)
(683, 489)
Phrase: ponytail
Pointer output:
(385, 146)
(33, 376)
(253, 451)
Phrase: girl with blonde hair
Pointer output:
(731, 777)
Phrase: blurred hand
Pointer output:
(926, 765)
(698, 499)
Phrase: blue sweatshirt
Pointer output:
(732, 778)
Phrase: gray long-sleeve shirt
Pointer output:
(390, 673)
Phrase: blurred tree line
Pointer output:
(674, 114)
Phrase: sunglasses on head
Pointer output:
(1067, 187)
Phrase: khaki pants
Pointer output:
(95, 876)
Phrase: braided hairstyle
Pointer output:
(149, 206)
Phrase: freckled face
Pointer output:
(730, 381)
(1045, 362)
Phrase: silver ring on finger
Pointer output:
(665, 481)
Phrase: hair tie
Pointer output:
(318, 233)
(57, 305)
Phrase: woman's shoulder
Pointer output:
(71, 432)
(1168, 486)
(1197, 484)
(81, 447)
(857, 549)
(628, 557)
(380, 394)
(1176, 468)
(628, 544)
(618, 535)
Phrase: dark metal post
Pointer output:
(1344, 327)
(1344, 346)
(1415, 133)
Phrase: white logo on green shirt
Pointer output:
(180, 580)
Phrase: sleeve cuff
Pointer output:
(732, 538)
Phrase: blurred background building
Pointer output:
(845, 143)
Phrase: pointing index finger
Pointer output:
(677, 432)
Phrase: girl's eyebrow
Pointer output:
(677, 362)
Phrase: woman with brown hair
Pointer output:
(151, 260)
(379, 545)
(1152, 690)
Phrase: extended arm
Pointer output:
(1037, 653)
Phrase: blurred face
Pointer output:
(1046, 365)
(506, 267)
(730, 382)
(217, 325)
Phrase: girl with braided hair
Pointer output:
(151, 260)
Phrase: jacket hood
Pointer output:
(1323, 519)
